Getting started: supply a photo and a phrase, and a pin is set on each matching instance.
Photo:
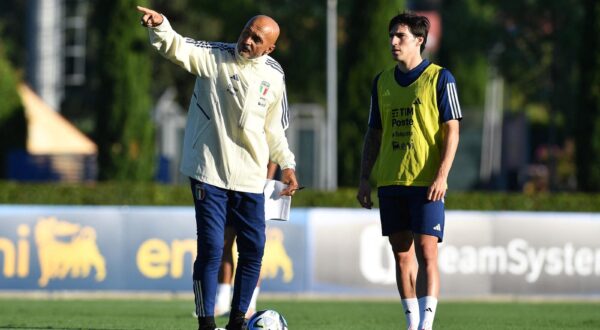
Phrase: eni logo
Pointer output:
(16, 258)
(157, 258)
(67, 249)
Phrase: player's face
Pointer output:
(255, 40)
(403, 44)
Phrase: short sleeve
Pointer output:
(374, 115)
(447, 97)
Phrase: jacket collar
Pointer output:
(245, 61)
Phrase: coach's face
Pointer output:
(404, 45)
(258, 37)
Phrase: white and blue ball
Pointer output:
(267, 320)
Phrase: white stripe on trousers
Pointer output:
(198, 299)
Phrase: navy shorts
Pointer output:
(404, 208)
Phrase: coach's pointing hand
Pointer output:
(150, 17)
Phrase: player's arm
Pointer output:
(370, 152)
(277, 121)
(371, 145)
(450, 114)
(185, 52)
(450, 132)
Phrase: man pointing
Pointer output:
(236, 121)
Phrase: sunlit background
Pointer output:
(527, 74)
(92, 120)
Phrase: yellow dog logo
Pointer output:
(276, 257)
(67, 249)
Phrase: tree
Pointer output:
(366, 54)
(588, 121)
(13, 31)
(13, 124)
(466, 44)
(124, 130)
(300, 47)
(532, 44)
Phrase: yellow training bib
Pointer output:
(411, 139)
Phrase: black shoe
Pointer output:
(237, 320)
(206, 323)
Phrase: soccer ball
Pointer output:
(267, 320)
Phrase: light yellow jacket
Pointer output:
(237, 113)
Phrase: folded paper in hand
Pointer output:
(277, 207)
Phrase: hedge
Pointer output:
(128, 193)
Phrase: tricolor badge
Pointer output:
(264, 87)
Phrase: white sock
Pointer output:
(411, 312)
(223, 301)
(252, 305)
(428, 305)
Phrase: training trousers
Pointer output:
(246, 211)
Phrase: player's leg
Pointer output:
(428, 278)
(248, 214)
(396, 225)
(253, 301)
(223, 303)
(406, 274)
(252, 306)
(210, 206)
(428, 227)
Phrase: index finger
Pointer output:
(144, 10)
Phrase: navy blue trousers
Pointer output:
(246, 212)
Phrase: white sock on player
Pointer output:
(223, 301)
(252, 306)
(428, 305)
(411, 312)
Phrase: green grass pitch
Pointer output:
(17, 313)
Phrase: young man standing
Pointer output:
(413, 135)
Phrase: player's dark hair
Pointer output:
(418, 25)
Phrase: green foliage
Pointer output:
(467, 39)
(300, 48)
(13, 31)
(533, 45)
(101, 193)
(13, 124)
(588, 114)
(541, 42)
(124, 130)
(548, 58)
(132, 193)
(366, 54)
(471, 74)
(540, 38)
